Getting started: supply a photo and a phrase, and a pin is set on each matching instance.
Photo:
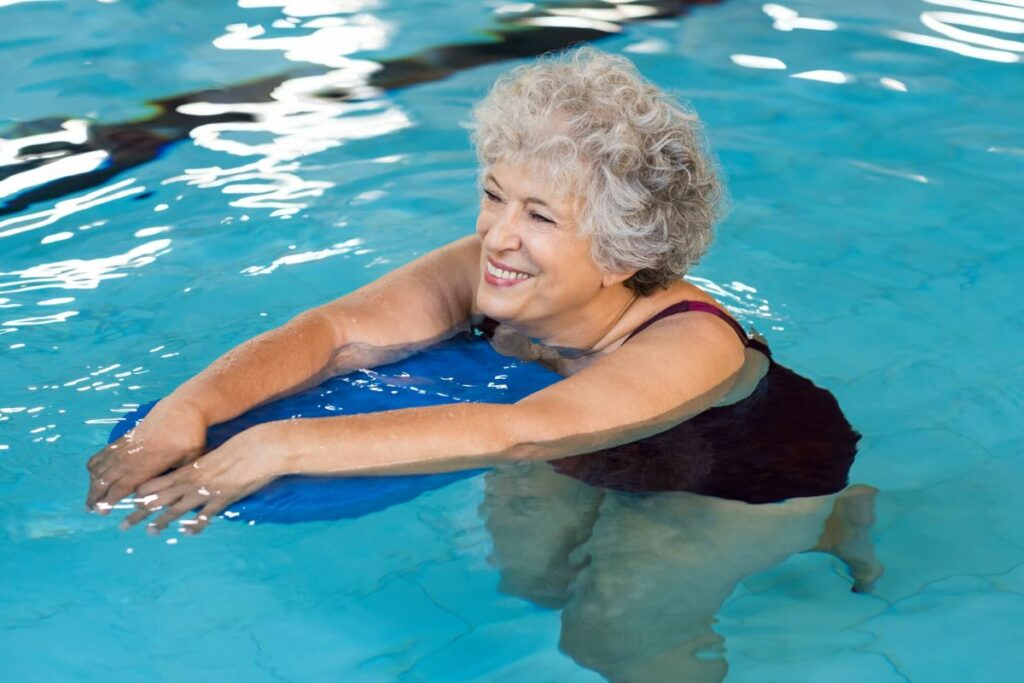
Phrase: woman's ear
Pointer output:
(612, 279)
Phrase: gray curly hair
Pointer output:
(636, 156)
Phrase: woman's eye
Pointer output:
(541, 218)
(490, 196)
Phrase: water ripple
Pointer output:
(40, 319)
(82, 273)
(305, 257)
(292, 126)
(67, 207)
(741, 299)
(967, 33)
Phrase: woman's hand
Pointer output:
(173, 434)
(240, 466)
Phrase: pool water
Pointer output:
(874, 155)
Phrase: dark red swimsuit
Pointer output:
(787, 439)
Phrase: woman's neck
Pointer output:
(586, 330)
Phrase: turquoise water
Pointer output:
(875, 175)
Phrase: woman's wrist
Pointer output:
(182, 407)
(266, 446)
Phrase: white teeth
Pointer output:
(506, 274)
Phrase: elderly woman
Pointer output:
(596, 198)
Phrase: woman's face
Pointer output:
(534, 263)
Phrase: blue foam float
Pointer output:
(458, 370)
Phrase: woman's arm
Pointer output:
(401, 312)
(640, 389)
(407, 309)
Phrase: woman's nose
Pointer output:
(502, 234)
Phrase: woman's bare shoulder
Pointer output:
(684, 290)
(755, 363)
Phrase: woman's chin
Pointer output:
(499, 305)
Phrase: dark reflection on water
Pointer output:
(131, 143)
(640, 577)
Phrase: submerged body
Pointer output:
(640, 544)
(774, 436)
(640, 578)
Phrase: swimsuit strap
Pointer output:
(486, 327)
(703, 307)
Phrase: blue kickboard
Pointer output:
(458, 370)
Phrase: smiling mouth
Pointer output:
(502, 274)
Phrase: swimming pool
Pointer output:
(874, 156)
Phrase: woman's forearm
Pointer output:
(407, 441)
(273, 364)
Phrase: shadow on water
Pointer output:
(640, 577)
(81, 157)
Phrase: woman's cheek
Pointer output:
(481, 224)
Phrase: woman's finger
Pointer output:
(109, 456)
(97, 487)
(105, 468)
(140, 514)
(165, 519)
(144, 507)
(184, 504)
(97, 460)
(118, 490)
(157, 484)
(108, 466)
(102, 473)
(104, 493)
(206, 515)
